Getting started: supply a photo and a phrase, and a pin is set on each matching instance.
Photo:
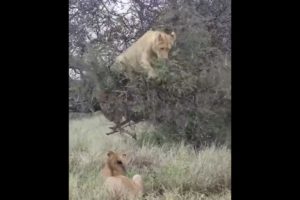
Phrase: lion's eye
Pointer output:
(162, 48)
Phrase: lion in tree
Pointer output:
(141, 55)
(139, 59)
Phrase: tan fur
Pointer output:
(121, 187)
(118, 186)
(139, 57)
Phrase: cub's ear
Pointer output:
(173, 34)
(110, 153)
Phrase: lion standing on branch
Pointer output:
(141, 55)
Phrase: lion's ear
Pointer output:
(124, 155)
(173, 34)
(110, 153)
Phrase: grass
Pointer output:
(170, 172)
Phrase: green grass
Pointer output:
(170, 172)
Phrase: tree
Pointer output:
(194, 100)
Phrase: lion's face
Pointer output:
(117, 162)
(163, 45)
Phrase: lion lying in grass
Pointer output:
(117, 185)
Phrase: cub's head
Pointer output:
(116, 163)
(163, 43)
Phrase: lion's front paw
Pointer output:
(152, 75)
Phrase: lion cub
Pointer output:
(139, 57)
(117, 185)
(114, 165)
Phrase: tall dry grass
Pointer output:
(170, 172)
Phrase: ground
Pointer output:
(170, 172)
